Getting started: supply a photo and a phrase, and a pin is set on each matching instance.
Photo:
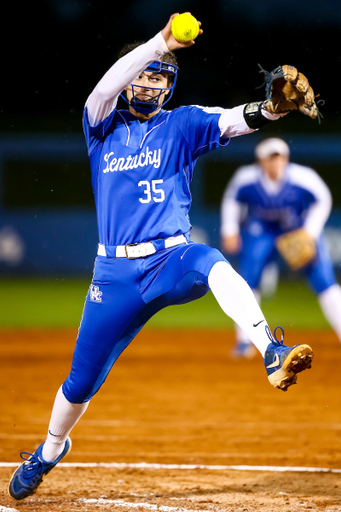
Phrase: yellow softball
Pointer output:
(185, 27)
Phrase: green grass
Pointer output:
(41, 302)
(59, 303)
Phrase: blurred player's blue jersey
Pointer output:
(279, 210)
(141, 172)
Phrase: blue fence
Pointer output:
(54, 240)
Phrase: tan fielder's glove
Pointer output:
(287, 89)
(297, 248)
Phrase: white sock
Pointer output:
(63, 418)
(330, 302)
(241, 336)
(236, 299)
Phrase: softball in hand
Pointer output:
(185, 28)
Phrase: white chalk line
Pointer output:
(131, 504)
(121, 503)
(145, 465)
(6, 509)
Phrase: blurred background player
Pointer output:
(265, 200)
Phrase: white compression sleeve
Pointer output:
(64, 417)
(330, 303)
(237, 300)
(103, 98)
(241, 336)
(232, 122)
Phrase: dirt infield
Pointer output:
(177, 398)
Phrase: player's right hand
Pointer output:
(232, 243)
(170, 40)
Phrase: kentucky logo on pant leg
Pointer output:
(95, 294)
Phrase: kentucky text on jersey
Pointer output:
(141, 172)
(132, 162)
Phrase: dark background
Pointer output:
(55, 51)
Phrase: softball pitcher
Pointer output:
(142, 161)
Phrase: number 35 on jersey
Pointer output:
(152, 191)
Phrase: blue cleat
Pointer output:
(283, 363)
(27, 478)
(243, 350)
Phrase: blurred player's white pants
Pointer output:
(330, 303)
(269, 280)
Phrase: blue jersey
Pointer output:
(301, 199)
(141, 172)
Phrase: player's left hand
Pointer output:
(232, 243)
(170, 40)
(287, 89)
